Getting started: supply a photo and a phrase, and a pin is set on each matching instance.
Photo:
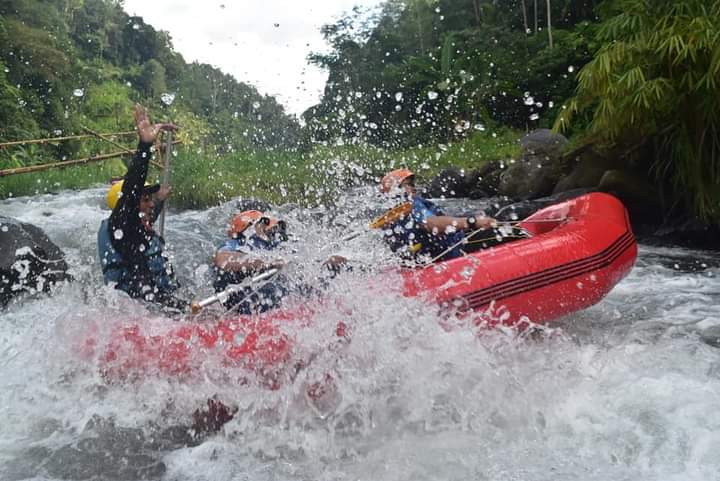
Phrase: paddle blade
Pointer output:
(392, 216)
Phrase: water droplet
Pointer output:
(136, 26)
(529, 100)
(4, 228)
(571, 69)
(78, 92)
(118, 234)
(378, 95)
(222, 5)
(256, 105)
(276, 25)
(479, 127)
(167, 98)
(534, 116)
(551, 104)
(432, 95)
(437, 9)
(398, 96)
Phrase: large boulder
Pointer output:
(449, 183)
(543, 142)
(640, 197)
(486, 179)
(587, 167)
(29, 261)
(538, 169)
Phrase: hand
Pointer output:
(163, 193)
(483, 222)
(277, 264)
(147, 131)
(335, 262)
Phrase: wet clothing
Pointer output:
(408, 238)
(131, 256)
(252, 299)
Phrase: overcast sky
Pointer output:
(260, 42)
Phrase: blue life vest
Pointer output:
(251, 299)
(120, 272)
(408, 237)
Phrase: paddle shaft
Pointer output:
(166, 178)
(197, 306)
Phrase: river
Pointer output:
(626, 390)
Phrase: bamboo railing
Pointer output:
(61, 139)
(75, 162)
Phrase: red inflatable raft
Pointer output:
(577, 252)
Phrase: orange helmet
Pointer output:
(245, 219)
(394, 178)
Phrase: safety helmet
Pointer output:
(245, 219)
(394, 179)
(113, 195)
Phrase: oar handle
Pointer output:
(197, 306)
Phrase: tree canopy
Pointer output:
(67, 61)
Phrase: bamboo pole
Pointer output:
(59, 165)
(68, 163)
(59, 139)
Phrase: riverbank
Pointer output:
(202, 178)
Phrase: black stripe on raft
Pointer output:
(618, 245)
(551, 275)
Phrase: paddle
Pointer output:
(197, 306)
(392, 215)
(166, 177)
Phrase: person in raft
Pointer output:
(251, 249)
(417, 228)
(131, 252)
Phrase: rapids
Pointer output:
(626, 390)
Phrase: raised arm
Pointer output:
(442, 224)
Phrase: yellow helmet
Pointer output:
(113, 195)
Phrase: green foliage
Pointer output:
(421, 70)
(657, 77)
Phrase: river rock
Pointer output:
(543, 142)
(29, 261)
(250, 203)
(486, 179)
(640, 197)
(538, 169)
(450, 183)
(587, 167)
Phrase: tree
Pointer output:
(657, 78)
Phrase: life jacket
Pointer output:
(252, 299)
(408, 238)
(158, 271)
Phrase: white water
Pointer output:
(627, 389)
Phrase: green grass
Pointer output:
(200, 179)
(78, 177)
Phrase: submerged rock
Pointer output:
(29, 261)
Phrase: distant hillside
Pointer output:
(67, 63)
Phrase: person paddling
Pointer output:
(417, 227)
(254, 238)
(131, 251)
